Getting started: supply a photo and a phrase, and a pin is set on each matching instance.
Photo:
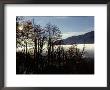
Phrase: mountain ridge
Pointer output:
(87, 38)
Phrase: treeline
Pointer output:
(55, 60)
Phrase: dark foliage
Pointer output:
(58, 64)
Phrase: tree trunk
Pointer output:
(26, 50)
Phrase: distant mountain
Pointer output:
(87, 38)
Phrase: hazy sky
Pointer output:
(69, 25)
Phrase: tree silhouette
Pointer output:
(53, 34)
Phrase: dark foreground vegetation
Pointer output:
(57, 64)
(56, 60)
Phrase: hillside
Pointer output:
(87, 38)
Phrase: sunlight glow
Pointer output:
(20, 27)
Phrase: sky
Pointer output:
(68, 25)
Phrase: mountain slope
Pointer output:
(87, 38)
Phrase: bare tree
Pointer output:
(53, 34)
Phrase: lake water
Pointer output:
(89, 48)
